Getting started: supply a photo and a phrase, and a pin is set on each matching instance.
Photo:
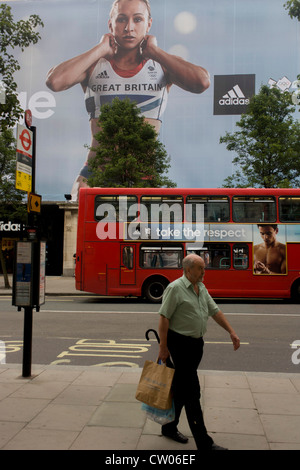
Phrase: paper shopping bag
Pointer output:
(154, 387)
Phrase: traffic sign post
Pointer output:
(30, 255)
(24, 167)
(34, 203)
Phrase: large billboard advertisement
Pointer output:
(65, 78)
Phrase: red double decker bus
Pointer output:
(131, 242)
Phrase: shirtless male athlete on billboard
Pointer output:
(270, 255)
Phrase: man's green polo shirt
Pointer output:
(187, 312)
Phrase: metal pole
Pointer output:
(33, 174)
(27, 342)
(27, 339)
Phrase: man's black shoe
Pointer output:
(216, 447)
(176, 436)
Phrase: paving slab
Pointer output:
(42, 439)
(228, 397)
(282, 429)
(233, 420)
(107, 438)
(277, 403)
(116, 414)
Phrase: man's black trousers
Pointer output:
(186, 354)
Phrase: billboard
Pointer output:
(241, 44)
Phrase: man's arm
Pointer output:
(224, 323)
(163, 327)
(184, 74)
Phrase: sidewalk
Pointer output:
(55, 285)
(85, 408)
(81, 408)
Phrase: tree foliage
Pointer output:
(11, 199)
(20, 34)
(267, 143)
(129, 153)
(293, 7)
(13, 34)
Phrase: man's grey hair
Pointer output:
(188, 262)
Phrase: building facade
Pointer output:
(57, 225)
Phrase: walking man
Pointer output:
(184, 313)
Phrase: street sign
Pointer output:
(34, 203)
(29, 289)
(28, 118)
(24, 158)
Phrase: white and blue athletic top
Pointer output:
(147, 88)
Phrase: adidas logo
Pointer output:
(103, 75)
(235, 96)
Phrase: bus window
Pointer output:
(254, 209)
(161, 257)
(127, 257)
(240, 256)
(161, 208)
(115, 208)
(215, 255)
(289, 209)
(216, 208)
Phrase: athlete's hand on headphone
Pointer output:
(109, 45)
(146, 47)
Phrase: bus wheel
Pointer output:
(154, 289)
(295, 291)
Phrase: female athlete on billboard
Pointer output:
(127, 63)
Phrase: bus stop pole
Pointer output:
(27, 342)
(27, 336)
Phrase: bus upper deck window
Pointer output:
(213, 209)
(115, 208)
(162, 208)
(289, 209)
(254, 209)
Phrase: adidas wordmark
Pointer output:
(235, 96)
